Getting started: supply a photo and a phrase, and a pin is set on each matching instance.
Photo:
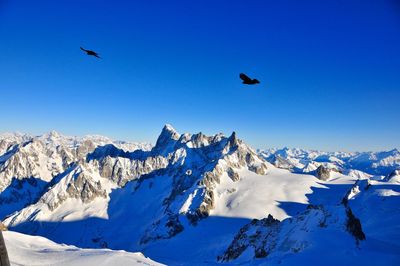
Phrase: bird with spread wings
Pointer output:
(248, 81)
(89, 52)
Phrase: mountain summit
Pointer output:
(212, 197)
(191, 164)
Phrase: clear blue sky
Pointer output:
(329, 70)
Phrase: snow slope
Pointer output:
(35, 250)
(323, 228)
(186, 200)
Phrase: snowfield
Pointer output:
(39, 251)
(193, 199)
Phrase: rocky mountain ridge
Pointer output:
(379, 164)
(212, 196)
(192, 163)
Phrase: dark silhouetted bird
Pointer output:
(247, 80)
(88, 52)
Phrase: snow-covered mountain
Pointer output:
(379, 164)
(193, 199)
(30, 165)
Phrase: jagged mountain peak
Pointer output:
(53, 134)
(233, 140)
(170, 131)
(169, 127)
(167, 139)
(170, 140)
(197, 186)
(193, 164)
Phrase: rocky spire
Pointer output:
(233, 140)
(167, 138)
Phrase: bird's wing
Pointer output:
(97, 55)
(83, 49)
(244, 77)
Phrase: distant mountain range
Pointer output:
(305, 161)
(193, 199)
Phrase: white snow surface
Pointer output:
(255, 196)
(129, 213)
(39, 251)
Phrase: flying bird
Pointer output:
(89, 52)
(247, 80)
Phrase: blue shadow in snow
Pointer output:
(19, 194)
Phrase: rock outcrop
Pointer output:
(323, 173)
(259, 235)
(265, 237)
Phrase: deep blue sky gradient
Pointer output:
(329, 70)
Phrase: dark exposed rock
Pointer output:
(85, 189)
(4, 260)
(261, 235)
(259, 169)
(84, 149)
(2, 227)
(233, 175)
(174, 226)
(170, 222)
(233, 140)
(102, 152)
(353, 226)
(260, 253)
(323, 173)
(123, 170)
(393, 174)
(280, 162)
(358, 186)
